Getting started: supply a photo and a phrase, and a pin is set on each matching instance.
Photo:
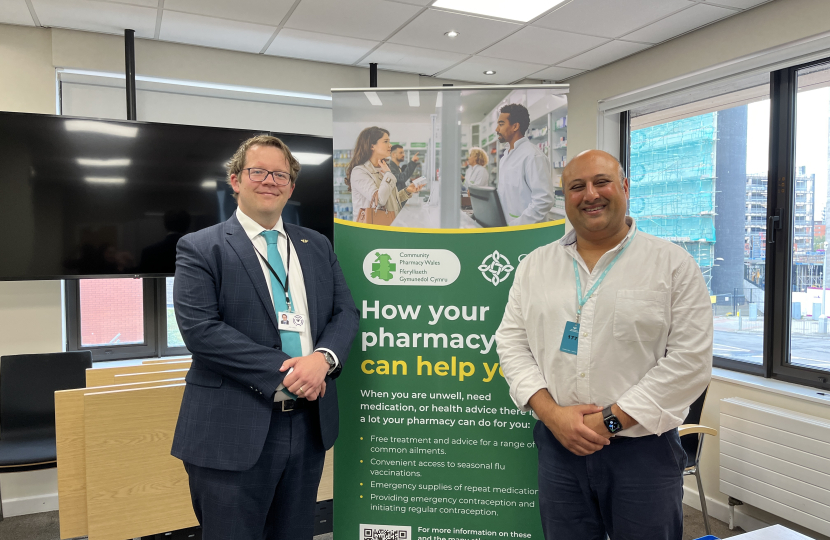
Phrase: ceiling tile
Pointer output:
(609, 18)
(15, 12)
(364, 19)
(742, 4)
(474, 33)
(146, 3)
(556, 73)
(106, 17)
(213, 32)
(396, 57)
(507, 71)
(423, 3)
(604, 54)
(319, 47)
(542, 46)
(257, 11)
(680, 23)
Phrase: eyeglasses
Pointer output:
(259, 175)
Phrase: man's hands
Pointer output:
(308, 378)
(568, 424)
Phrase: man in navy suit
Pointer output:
(260, 404)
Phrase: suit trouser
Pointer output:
(631, 489)
(276, 498)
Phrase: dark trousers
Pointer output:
(631, 489)
(273, 500)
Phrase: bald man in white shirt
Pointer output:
(607, 337)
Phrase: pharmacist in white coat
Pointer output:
(525, 185)
(477, 174)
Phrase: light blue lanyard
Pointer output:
(582, 300)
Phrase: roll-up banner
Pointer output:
(440, 193)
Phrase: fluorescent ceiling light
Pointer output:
(310, 158)
(105, 180)
(104, 128)
(197, 84)
(373, 98)
(209, 184)
(515, 11)
(88, 162)
(414, 98)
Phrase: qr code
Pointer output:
(385, 532)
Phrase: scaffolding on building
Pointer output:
(673, 184)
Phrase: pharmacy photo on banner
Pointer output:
(450, 158)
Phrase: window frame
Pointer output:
(780, 208)
(155, 325)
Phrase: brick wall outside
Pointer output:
(110, 307)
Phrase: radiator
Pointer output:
(776, 460)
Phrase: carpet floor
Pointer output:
(45, 526)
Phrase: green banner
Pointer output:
(431, 446)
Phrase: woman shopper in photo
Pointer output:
(477, 174)
(368, 176)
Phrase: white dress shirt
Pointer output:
(296, 284)
(525, 185)
(645, 336)
(477, 175)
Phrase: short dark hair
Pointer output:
(517, 113)
(396, 146)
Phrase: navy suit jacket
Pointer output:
(228, 323)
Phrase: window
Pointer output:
(122, 318)
(737, 175)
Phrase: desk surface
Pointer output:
(776, 532)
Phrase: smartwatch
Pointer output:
(612, 423)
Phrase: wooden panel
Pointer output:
(153, 376)
(70, 439)
(165, 360)
(326, 489)
(134, 486)
(106, 376)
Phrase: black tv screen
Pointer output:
(100, 198)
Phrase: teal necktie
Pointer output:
(290, 340)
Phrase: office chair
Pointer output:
(691, 437)
(28, 383)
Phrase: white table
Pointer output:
(423, 216)
(776, 532)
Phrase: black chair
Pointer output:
(28, 383)
(691, 437)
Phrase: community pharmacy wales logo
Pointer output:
(495, 268)
(421, 267)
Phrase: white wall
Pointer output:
(769, 25)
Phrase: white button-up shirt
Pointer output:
(525, 185)
(296, 284)
(645, 336)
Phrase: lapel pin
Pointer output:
(304, 241)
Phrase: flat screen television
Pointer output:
(103, 198)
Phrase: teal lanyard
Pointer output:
(582, 300)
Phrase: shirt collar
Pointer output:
(519, 142)
(254, 229)
(569, 240)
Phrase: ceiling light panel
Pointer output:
(256, 11)
(515, 11)
(319, 47)
(373, 98)
(89, 162)
(105, 180)
(429, 29)
(103, 128)
(311, 158)
(414, 98)
(105, 17)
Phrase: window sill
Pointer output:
(771, 385)
(135, 362)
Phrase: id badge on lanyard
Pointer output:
(288, 320)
